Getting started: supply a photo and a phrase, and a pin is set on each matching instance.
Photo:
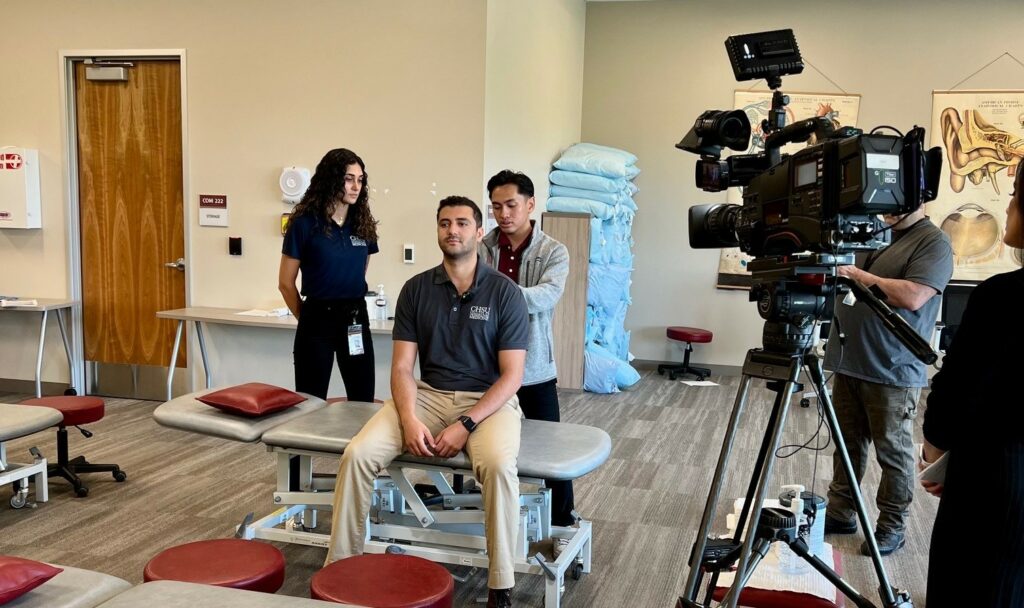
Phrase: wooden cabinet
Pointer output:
(570, 318)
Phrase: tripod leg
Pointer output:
(781, 407)
(889, 596)
(761, 546)
(800, 548)
(697, 554)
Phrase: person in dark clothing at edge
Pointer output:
(330, 238)
(976, 413)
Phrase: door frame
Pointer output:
(69, 128)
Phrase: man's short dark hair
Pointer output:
(461, 201)
(523, 183)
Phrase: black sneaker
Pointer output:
(499, 598)
(838, 526)
(887, 543)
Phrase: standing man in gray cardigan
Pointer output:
(539, 264)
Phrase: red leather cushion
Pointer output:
(384, 581)
(19, 576)
(224, 562)
(688, 334)
(252, 399)
(77, 410)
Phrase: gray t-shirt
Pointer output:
(921, 254)
(458, 337)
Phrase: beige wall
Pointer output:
(534, 86)
(269, 85)
(405, 83)
(652, 67)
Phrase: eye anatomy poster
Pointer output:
(982, 138)
(841, 109)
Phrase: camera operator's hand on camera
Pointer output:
(850, 272)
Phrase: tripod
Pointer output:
(790, 303)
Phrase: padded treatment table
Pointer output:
(73, 588)
(452, 530)
(187, 413)
(449, 530)
(18, 421)
(548, 450)
(174, 594)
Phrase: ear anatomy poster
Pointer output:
(981, 134)
(841, 109)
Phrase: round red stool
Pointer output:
(224, 562)
(384, 581)
(77, 410)
(691, 336)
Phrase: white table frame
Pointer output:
(199, 315)
(44, 306)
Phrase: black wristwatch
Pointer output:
(468, 423)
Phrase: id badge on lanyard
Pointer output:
(355, 338)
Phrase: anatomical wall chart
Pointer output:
(982, 138)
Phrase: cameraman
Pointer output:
(877, 380)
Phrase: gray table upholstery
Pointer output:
(173, 594)
(548, 450)
(20, 420)
(187, 413)
(73, 588)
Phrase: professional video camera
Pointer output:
(824, 198)
(803, 216)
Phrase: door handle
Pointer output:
(178, 264)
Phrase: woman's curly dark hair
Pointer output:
(328, 186)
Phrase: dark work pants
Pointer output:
(884, 415)
(540, 402)
(321, 337)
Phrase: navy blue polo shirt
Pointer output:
(458, 337)
(333, 265)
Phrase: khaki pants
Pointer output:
(884, 415)
(493, 449)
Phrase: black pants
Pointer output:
(540, 402)
(321, 337)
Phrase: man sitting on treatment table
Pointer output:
(469, 326)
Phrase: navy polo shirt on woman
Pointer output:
(458, 337)
(333, 265)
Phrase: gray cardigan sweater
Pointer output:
(542, 273)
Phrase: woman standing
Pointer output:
(330, 238)
(976, 413)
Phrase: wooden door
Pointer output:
(132, 223)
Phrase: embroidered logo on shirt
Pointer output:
(357, 242)
(480, 313)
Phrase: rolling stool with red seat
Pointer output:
(691, 336)
(384, 580)
(76, 410)
(223, 562)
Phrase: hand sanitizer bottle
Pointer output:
(381, 302)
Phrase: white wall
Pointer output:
(652, 67)
(270, 84)
(534, 86)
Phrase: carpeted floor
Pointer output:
(645, 502)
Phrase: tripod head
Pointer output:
(793, 293)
